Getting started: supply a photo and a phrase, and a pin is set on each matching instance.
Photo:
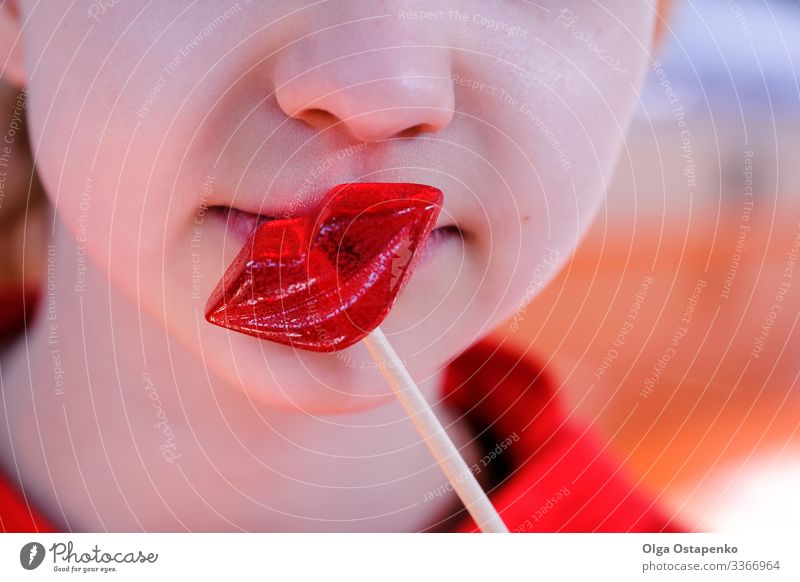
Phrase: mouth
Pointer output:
(240, 225)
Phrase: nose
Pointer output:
(374, 92)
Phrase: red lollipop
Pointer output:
(323, 283)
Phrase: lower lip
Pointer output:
(241, 225)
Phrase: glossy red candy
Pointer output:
(323, 282)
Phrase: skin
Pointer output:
(143, 117)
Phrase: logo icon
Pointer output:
(31, 555)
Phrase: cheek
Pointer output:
(553, 123)
(100, 199)
(116, 185)
(108, 142)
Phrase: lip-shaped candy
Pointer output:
(323, 283)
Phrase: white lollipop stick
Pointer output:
(443, 449)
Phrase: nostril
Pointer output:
(416, 130)
(321, 119)
(317, 118)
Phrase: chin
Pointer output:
(294, 380)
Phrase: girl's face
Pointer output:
(161, 130)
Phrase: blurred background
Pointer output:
(674, 329)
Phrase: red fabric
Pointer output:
(15, 514)
(559, 477)
(13, 305)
